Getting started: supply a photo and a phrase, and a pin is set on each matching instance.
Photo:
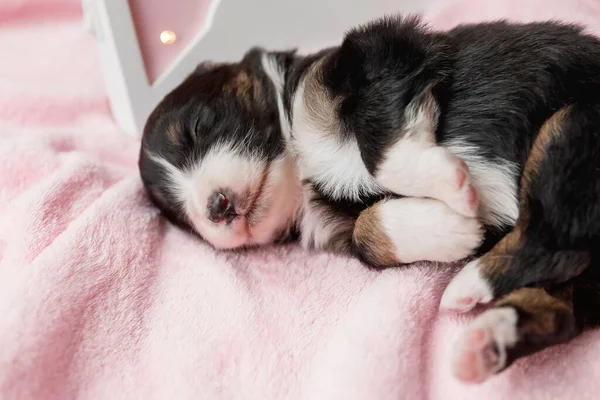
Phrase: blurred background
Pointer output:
(239, 24)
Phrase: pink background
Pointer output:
(101, 298)
(184, 17)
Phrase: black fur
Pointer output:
(378, 70)
(563, 234)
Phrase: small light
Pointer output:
(168, 37)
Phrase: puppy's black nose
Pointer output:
(220, 208)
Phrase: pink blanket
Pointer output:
(100, 298)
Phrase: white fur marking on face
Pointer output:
(178, 180)
(327, 160)
(495, 182)
(427, 229)
(277, 75)
(480, 351)
(466, 290)
(226, 168)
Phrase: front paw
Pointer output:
(467, 289)
(445, 235)
(460, 239)
(455, 187)
(415, 229)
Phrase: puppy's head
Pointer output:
(213, 157)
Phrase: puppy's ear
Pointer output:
(396, 48)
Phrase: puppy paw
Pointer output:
(458, 237)
(414, 229)
(466, 290)
(455, 187)
(480, 352)
(460, 194)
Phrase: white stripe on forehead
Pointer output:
(176, 180)
(276, 75)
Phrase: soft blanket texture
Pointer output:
(101, 298)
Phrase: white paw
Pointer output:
(481, 350)
(455, 186)
(466, 290)
(427, 229)
(456, 237)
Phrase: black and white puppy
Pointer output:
(214, 159)
(360, 149)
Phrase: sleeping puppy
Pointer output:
(392, 109)
(330, 145)
(214, 159)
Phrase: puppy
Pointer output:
(331, 144)
(392, 109)
(214, 159)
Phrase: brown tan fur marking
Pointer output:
(497, 260)
(246, 87)
(174, 132)
(239, 85)
(320, 107)
(544, 310)
(427, 105)
(551, 129)
(341, 241)
(372, 242)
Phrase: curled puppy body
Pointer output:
(214, 159)
(396, 104)
(387, 114)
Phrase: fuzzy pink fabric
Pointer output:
(101, 298)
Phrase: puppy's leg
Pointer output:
(398, 231)
(559, 215)
(355, 149)
(521, 323)
(415, 166)
(516, 261)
